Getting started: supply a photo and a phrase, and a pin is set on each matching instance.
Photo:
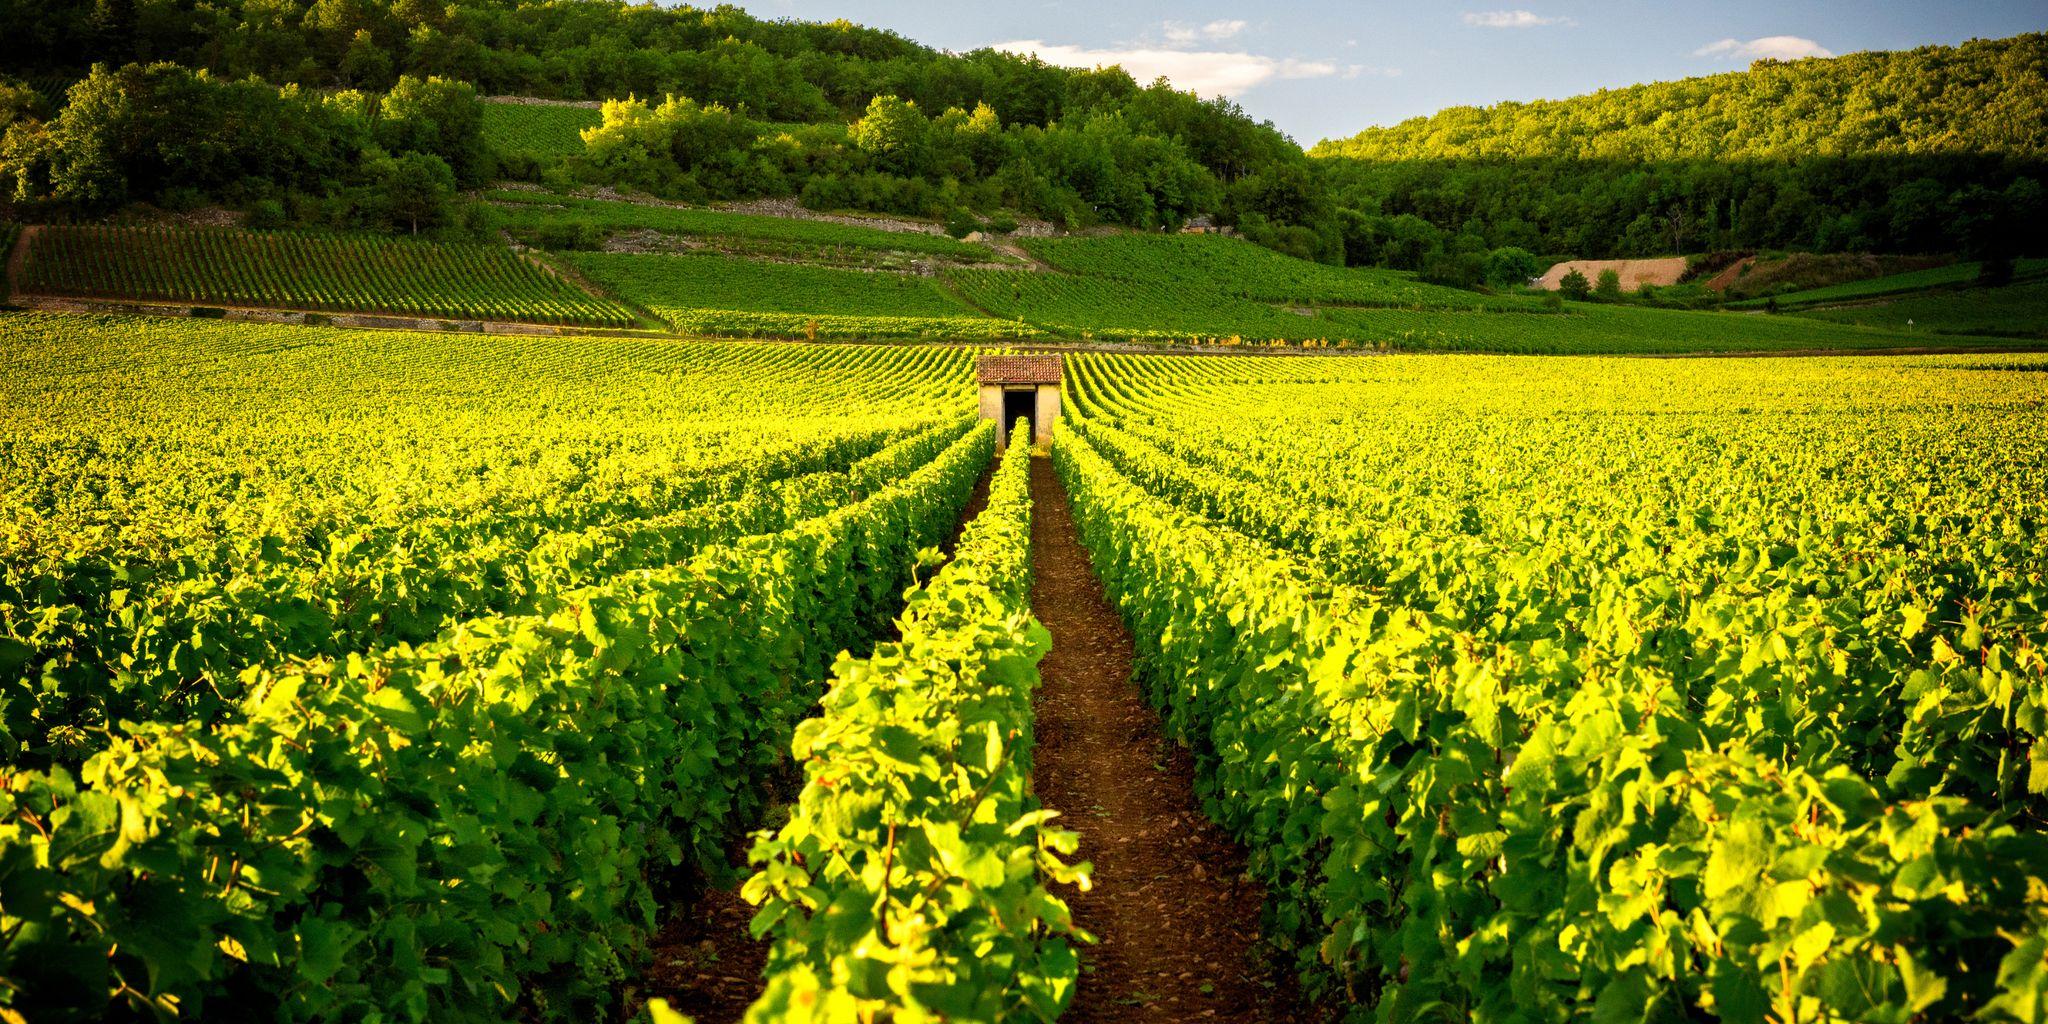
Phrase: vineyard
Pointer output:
(289, 665)
(1548, 691)
(537, 130)
(1156, 309)
(1240, 270)
(538, 214)
(2019, 310)
(711, 295)
(355, 274)
(357, 675)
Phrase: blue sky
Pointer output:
(1326, 68)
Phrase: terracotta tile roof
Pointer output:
(1018, 369)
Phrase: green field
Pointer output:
(2019, 311)
(1955, 275)
(343, 274)
(542, 131)
(1240, 269)
(1112, 309)
(1100, 307)
(529, 211)
(711, 294)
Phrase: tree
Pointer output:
(410, 190)
(1574, 285)
(894, 133)
(438, 116)
(1609, 287)
(1511, 267)
(83, 149)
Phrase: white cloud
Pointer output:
(1771, 47)
(1511, 19)
(1207, 72)
(1178, 34)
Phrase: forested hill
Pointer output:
(1985, 96)
(837, 114)
(1935, 150)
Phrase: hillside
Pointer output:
(318, 119)
(1983, 97)
(1933, 150)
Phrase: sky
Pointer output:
(1328, 68)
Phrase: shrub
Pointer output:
(1574, 285)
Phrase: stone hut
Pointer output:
(1014, 387)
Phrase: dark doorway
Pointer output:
(1022, 404)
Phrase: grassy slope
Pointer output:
(1240, 269)
(1955, 275)
(2019, 310)
(519, 210)
(720, 295)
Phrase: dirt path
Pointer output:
(1178, 922)
(16, 258)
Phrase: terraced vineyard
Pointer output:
(1566, 690)
(718, 296)
(527, 213)
(353, 274)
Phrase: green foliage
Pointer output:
(1608, 287)
(1809, 155)
(1511, 267)
(1574, 285)
(294, 271)
(163, 133)
(476, 826)
(1771, 110)
(1074, 305)
(680, 149)
(912, 876)
(1543, 715)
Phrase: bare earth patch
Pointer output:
(1634, 273)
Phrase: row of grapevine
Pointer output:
(502, 800)
(1516, 729)
(282, 538)
(306, 272)
(539, 130)
(910, 881)
(174, 652)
